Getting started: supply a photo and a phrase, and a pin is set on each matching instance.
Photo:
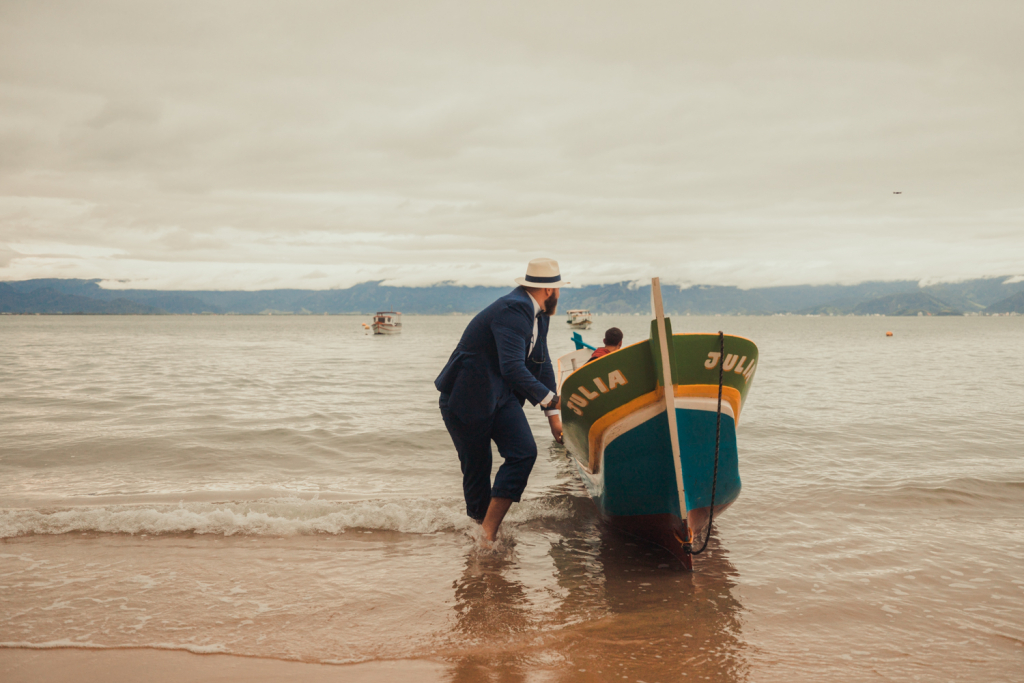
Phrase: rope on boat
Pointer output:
(718, 440)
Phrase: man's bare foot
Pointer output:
(492, 521)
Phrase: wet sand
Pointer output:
(18, 665)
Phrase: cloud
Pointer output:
(247, 143)
(7, 255)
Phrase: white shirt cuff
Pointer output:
(551, 413)
(547, 398)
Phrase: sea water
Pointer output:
(284, 487)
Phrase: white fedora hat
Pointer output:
(542, 273)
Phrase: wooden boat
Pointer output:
(647, 455)
(579, 318)
(387, 322)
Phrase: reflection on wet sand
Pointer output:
(491, 613)
(660, 623)
(623, 610)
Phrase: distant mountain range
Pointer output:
(902, 297)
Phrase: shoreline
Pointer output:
(120, 664)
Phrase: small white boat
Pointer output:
(387, 322)
(579, 318)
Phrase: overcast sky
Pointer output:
(251, 145)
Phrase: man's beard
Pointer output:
(551, 304)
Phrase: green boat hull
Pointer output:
(617, 430)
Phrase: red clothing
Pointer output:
(598, 353)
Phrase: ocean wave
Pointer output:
(267, 517)
(65, 643)
(964, 491)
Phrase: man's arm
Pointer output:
(555, 422)
(512, 330)
(547, 371)
(547, 378)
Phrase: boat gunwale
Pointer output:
(647, 341)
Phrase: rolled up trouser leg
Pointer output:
(473, 444)
(512, 433)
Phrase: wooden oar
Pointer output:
(670, 394)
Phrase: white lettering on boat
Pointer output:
(750, 371)
(576, 402)
(731, 364)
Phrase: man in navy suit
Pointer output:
(501, 362)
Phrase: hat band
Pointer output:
(543, 280)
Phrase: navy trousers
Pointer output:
(508, 428)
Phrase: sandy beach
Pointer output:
(21, 665)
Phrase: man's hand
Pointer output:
(555, 421)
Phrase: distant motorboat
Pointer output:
(387, 322)
(580, 318)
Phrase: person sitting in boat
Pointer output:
(612, 342)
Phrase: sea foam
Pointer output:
(64, 643)
(267, 517)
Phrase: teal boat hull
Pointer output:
(635, 489)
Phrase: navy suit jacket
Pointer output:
(490, 364)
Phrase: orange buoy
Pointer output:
(888, 334)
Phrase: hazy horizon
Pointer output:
(114, 285)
